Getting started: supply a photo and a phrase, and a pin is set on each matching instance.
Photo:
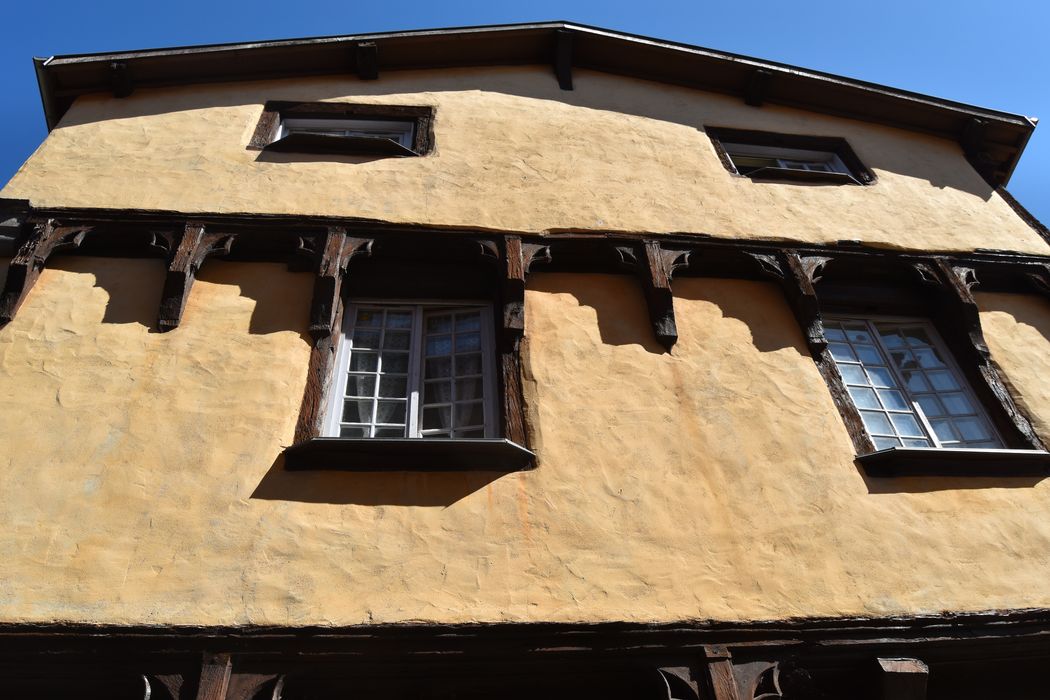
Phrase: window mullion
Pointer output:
(415, 381)
(902, 381)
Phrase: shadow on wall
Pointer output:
(1027, 309)
(593, 91)
(424, 489)
(928, 484)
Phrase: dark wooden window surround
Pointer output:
(859, 174)
(352, 258)
(269, 124)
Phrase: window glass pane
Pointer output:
(915, 381)
(467, 342)
(972, 429)
(361, 385)
(880, 376)
(876, 423)
(357, 411)
(906, 425)
(944, 431)
(913, 442)
(942, 380)
(928, 358)
(884, 443)
(853, 374)
(439, 345)
(368, 317)
(437, 367)
(477, 433)
(399, 319)
(363, 361)
(467, 389)
(397, 340)
(366, 338)
(468, 414)
(437, 392)
(916, 336)
(437, 417)
(390, 412)
(833, 334)
(470, 321)
(468, 364)
(390, 432)
(893, 400)
(393, 387)
(841, 351)
(892, 340)
(863, 397)
(353, 431)
(439, 323)
(857, 332)
(930, 406)
(395, 362)
(957, 404)
(868, 354)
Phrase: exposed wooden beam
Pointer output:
(563, 58)
(366, 55)
(215, 677)
(186, 251)
(120, 77)
(757, 86)
(42, 240)
(902, 679)
(333, 252)
(720, 679)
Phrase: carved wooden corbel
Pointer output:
(680, 682)
(163, 687)
(758, 680)
(44, 239)
(215, 677)
(333, 252)
(800, 274)
(720, 679)
(519, 257)
(1038, 278)
(956, 295)
(655, 267)
(186, 251)
(903, 679)
(255, 686)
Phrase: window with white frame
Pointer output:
(749, 158)
(401, 132)
(415, 370)
(906, 386)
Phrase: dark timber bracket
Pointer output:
(186, 251)
(681, 681)
(973, 141)
(215, 677)
(796, 275)
(655, 267)
(518, 258)
(43, 239)
(954, 284)
(902, 679)
(333, 252)
(563, 58)
(721, 685)
(120, 77)
(366, 54)
(757, 87)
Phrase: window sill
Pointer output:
(930, 461)
(795, 175)
(408, 454)
(343, 145)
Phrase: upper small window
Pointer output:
(768, 156)
(340, 128)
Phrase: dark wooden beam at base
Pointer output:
(215, 677)
(902, 679)
(720, 679)
(563, 58)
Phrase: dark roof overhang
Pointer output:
(992, 140)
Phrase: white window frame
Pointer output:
(788, 158)
(333, 419)
(403, 132)
(950, 365)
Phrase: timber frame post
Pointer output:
(186, 251)
(655, 266)
(42, 239)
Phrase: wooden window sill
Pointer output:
(931, 461)
(408, 454)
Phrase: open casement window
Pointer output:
(761, 155)
(415, 371)
(341, 128)
(906, 386)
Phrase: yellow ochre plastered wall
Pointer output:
(514, 152)
(141, 479)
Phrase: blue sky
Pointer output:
(989, 54)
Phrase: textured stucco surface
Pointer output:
(515, 152)
(140, 480)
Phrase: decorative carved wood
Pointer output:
(43, 239)
(956, 283)
(680, 682)
(518, 258)
(1038, 278)
(758, 680)
(720, 679)
(333, 252)
(215, 677)
(186, 251)
(903, 679)
(655, 267)
(255, 686)
(164, 687)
